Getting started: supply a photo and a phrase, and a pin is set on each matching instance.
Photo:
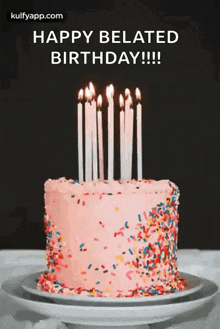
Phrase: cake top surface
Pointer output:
(64, 185)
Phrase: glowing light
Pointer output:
(109, 91)
(138, 94)
(127, 92)
(121, 101)
(99, 101)
(92, 89)
(111, 88)
(88, 94)
(80, 95)
(130, 99)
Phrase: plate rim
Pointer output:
(92, 300)
(110, 315)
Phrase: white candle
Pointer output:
(127, 100)
(122, 137)
(128, 103)
(94, 134)
(139, 136)
(130, 141)
(110, 92)
(94, 143)
(80, 136)
(100, 139)
(88, 137)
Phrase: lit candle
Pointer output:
(130, 141)
(80, 136)
(88, 137)
(139, 135)
(100, 139)
(128, 102)
(110, 92)
(122, 137)
(129, 134)
(94, 134)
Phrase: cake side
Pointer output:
(111, 239)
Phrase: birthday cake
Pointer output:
(109, 238)
(112, 240)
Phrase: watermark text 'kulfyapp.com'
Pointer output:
(23, 16)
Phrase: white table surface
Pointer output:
(204, 263)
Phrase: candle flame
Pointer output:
(88, 94)
(121, 101)
(99, 101)
(109, 91)
(111, 88)
(92, 89)
(138, 94)
(80, 95)
(127, 92)
(130, 99)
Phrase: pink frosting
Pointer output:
(63, 185)
(97, 225)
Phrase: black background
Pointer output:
(181, 98)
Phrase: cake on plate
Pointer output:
(110, 238)
(113, 240)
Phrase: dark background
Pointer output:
(181, 97)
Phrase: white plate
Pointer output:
(30, 285)
(109, 315)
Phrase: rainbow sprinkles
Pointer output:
(135, 257)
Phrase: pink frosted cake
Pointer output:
(113, 240)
